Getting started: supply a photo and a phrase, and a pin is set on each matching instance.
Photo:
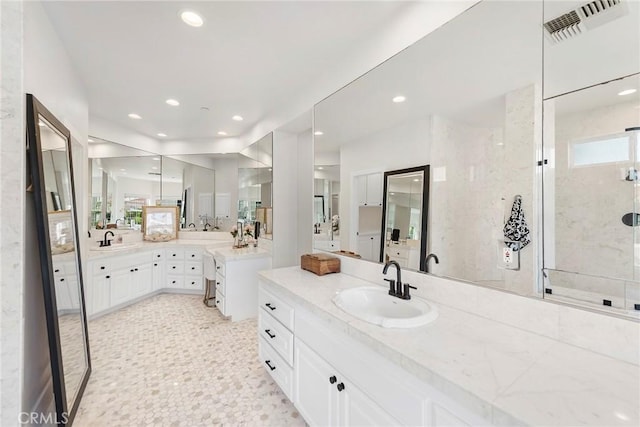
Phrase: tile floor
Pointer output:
(171, 361)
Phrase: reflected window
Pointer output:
(604, 150)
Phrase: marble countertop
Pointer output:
(505, 374)
(137, 246)
(231, 254)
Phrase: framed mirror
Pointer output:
(405, 212)
(50, 164)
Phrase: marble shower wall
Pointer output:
(590, 237)
(476, 173)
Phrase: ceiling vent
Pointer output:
(585, 18)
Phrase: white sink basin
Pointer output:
(116, 247)
(375, 305)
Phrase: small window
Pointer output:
(609, 149)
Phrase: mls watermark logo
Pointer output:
(42, 418)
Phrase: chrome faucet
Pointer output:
(106, 242)
(426, 261)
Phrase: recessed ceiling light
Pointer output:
(320, 168)
(154, 167)
(393, 194)
(416, 180)
(172, 102)
(134, 116)
(122, 170)
(162, 134)
(237, 118)
(90, 140)
(399, 98)
(222, 133)
(156, 158)
(318, 133)
(627, 92)
(40, 123)
(191, 18)
(270, 169)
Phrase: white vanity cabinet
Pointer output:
(325, 397)
(158, 269)
(237, 281)
(119, 279)
(369, 246)
(369, 189)
(66, 284)
(339, 381)
(275, 343)
(131, 278)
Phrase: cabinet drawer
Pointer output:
(221, 287)
(99, 267)
(276, 367)
(279, 337)
(194, 268)
(158, 255)
(175, 267)
(193, 254)
(395, 252)
(220, 267)
(172, 254)
(220, 303)
(193, 282)
(276, 308)
(174, 281)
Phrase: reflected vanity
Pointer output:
(49, 147)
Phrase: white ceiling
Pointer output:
(248, 59)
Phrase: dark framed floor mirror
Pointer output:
(52, 185)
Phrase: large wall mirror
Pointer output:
(212, 191)
(467, 101)
(50, 161)
(591, 152)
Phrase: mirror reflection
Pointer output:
(326, 207)
(465, 100)
(59, 203)
(405, 217)
(591, 195)
(211, 191)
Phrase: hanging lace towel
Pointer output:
(516, 228)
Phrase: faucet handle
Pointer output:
(405, 294)
(392, 286)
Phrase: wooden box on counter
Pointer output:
(320, 264)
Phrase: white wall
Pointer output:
(292, 196)
(402, 146)
(29, 46)
(12, 215)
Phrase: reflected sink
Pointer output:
(116, 247)
(374, 305)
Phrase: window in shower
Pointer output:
(603, 150)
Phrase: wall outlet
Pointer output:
(507, 255)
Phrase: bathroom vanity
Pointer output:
(464, 368)
(237, 280)
(118, 278)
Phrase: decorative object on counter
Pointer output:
(239, 238)
(348, 253)
(265, 217)
(160, 223)
(61, 232)
(320, 264)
